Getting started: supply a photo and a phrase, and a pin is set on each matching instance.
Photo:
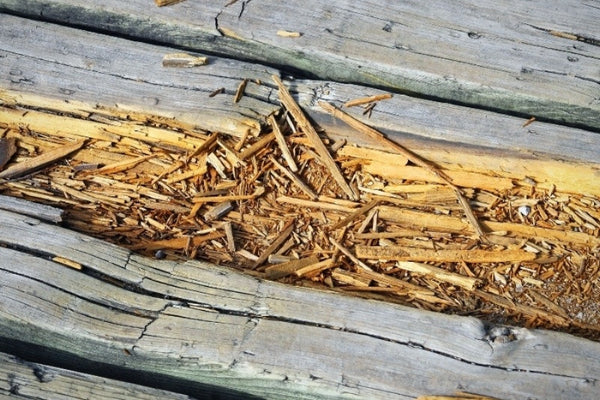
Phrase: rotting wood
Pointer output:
(402, 115)
(290, 104)
(40, 161)
(198, 283)
(411, 156)
(123, 209)
(399, 46)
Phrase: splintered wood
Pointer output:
(291, 205)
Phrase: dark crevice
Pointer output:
(33, 354)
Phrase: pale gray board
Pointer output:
(71, 64)
(20, 379)
(486, 53)
(40, 211)
(201, 324)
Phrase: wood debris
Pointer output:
(292, 205)
(183, 60)
(290, 104)
(288, 34)
(35, 163)
(162, 3)
(240, 90)
(369, 99)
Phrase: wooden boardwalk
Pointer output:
(465, 77)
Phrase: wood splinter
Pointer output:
(294, 109)
(412, 157)
(296, 180)
(285, 150)
(240, 90)
(368, 99)
(183, 60)
(285, 233)
(35, 163)
(162, 3)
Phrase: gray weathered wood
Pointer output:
(206, 325)
(40, 211)
(20, 379)
(72, 65)
(499, 55)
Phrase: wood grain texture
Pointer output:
(20, 379)
(73, 69)
(518, 57)
(201, 324)
(39, 211)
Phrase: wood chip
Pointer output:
(216, 92)
(259, 145)
(218, 211)
(361, 211)
(229, 235)
(240, 90)
(288, 34)
(529, 122)
(162, 3)
(67, 262)
(119, 166)
(219, 199)
(314, 269)
(183, 60)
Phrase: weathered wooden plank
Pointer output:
(40, 211)
(524, 58)
(48, 68)
(20, 379)
(205, 325)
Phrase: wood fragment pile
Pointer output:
(292, 205)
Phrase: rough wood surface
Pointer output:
(520, 57)
(20, 379)
(39, 211)
(204, 325)
(71, 65)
